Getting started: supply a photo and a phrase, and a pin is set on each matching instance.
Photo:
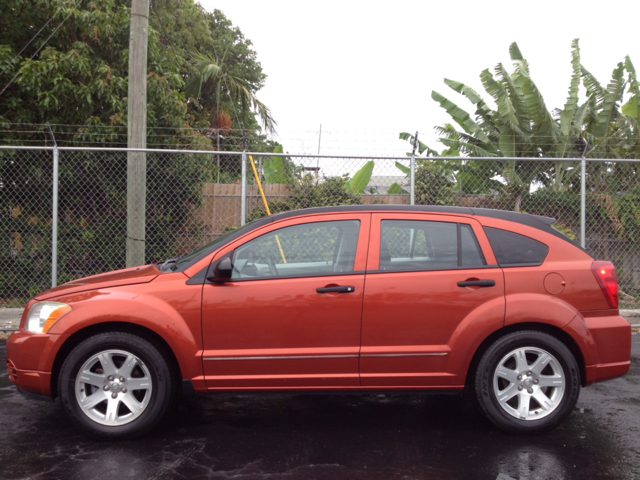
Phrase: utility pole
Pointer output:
(137, 133)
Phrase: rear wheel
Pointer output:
(115, 385)
(527, 382)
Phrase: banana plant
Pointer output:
(521, 125)
(278, 169)
(362, 177)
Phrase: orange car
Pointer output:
(358, 298)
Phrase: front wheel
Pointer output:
(527, 382)
(115, 385)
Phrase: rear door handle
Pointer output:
(477, 283)
(341, 289)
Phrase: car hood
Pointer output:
(128, 276)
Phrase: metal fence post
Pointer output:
(583, 203)
(412, 166)
(583, 195)
(412, 188)
(243, 201)
(54, 222)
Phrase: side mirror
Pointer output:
(221, 271)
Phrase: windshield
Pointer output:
(198, 254)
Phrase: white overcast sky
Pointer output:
(365, 70)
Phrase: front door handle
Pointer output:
(477, 283)
(340, 289)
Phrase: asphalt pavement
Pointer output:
(330, 437)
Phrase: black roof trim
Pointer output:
(368, 208)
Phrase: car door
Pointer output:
(428, 282)
(290, 316)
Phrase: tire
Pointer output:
(115, 385)
(527, 382)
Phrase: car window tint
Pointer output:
(514, 249)
(407, 245)
(471, 252)
(309, 249)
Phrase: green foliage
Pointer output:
(92, 214)
(631, 107)
(432, 186)
(423, 148)
(615, 212)
(396, 189)
(279, 169)
(78, 83)
(309, 193)
(80, 77)
(361, 178)
(211, 82)
(521, 125)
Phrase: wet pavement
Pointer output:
(330, 437)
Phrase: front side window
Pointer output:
(310, 249)
(407, 245)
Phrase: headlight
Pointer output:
(43, 314)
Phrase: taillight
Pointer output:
(605, 273)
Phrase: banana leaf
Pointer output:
(460, 116)
(612, 96)
(361, 178)
(396, 189)
(275, 170)
(404, 169)
(631, 107)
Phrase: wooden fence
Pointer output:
(222, 202)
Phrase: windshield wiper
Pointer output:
(168, 262)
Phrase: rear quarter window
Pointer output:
(513, 249)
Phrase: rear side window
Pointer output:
(513, 249)
(409, 245)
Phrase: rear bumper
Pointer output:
(606, 371)
(605, 343)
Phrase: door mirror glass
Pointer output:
(221, 270)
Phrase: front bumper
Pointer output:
(29, 381)
(30, 360)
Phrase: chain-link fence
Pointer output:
(194, 197)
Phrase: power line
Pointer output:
(37, 51)
(29, 43)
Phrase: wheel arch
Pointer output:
(554, 331)
(77, 337)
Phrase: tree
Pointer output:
(77, 81)
(212, 83)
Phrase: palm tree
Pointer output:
(211, 83)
